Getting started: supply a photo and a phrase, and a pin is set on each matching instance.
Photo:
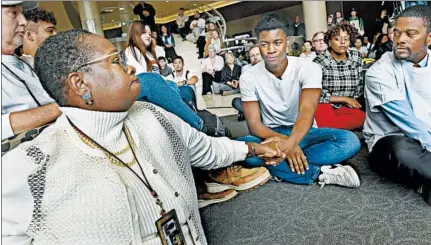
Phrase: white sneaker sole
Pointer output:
(354, 175)
(204, 203)
(217, 187)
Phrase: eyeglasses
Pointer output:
(318, 40)
(121, 61)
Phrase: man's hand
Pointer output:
(294, 155)
(179, 84)
(352, 103)
(269, 152)
(146, 13)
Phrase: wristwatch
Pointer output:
(184, 82)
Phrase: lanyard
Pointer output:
(145, 182)
(23, 81)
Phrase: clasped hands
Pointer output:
(275, 149)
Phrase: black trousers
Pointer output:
(207, 81)
(182, 32)
(201, 46)
(402, 159)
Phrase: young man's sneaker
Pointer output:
(339, 175)
(236, 178)
(206, 198)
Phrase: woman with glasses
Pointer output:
(110, 170)
(319, 42)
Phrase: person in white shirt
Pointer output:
(157, 43)
(181, 21)
(110, 167)
(140, 52)
(215, 41)
(360, 48)
(197, 26)
(25, 104)
(185, 80)
(211, 70)
(41, 24)
(307, 52)
(280, 96)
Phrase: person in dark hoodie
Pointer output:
(146, 12)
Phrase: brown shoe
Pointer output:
(237, 178)
(206, 198)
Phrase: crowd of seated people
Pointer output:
(124, 128)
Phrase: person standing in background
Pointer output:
(146, 12)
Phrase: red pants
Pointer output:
(343, 118)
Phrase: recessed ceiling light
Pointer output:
(112, 20)
(121, 8)
(167, 1)
(194, 4)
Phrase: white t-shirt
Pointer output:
(140, 64)
(181, 20)
(279, 98)
(183, 77)
(15, 96)
(218, 64)
(309, 56)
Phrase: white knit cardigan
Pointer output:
(58, 190)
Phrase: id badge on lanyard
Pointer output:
(169, 229)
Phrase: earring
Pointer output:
(88, 98)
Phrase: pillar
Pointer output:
(90, 17)
(315, 17)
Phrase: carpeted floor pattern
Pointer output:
(379, 212)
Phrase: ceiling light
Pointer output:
(112, 20)
(121, 8)
(167, 1)
(194, 4)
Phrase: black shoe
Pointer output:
(241, 117)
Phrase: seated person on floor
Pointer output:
(169, 43)
(211, 70)
(397, 90)
(157, 43)
(280, 97)
(343, 80)
(215, 41)
(255, 58)
(208, 40)
(25, 104)
(40, 25)
(165, 70)
(184, 79)
(106, 147)
(230, 74)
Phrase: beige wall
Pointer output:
(248, 23)
(63, 22)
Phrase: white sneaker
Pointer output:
(339, 175)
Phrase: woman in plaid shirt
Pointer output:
(342, 81)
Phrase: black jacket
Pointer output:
(137, 10)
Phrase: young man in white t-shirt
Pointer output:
(184, 79)
(280, 97)
(398, 124)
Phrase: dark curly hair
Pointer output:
(342, 26)
(268, 23)
(38, 14)
(59, 56)
(418, 11)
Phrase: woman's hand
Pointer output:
(352, 103)
(293, 153)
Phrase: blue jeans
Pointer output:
(321, 146)
(156, 90)
(237, 105)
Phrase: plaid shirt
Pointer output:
(341, 78)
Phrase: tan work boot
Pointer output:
(205, 199)
(236, 178)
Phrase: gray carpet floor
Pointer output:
(379, 212)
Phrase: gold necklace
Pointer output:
(112, 159)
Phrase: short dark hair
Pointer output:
(342, 26)
(161, 58)
(418, 11)
(178, 58)
(268, 23)
(59, 56)
(181, 8)
(39, 14)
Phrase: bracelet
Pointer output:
(184, 82)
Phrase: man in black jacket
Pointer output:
(146, 12)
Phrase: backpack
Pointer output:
(214, 126)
